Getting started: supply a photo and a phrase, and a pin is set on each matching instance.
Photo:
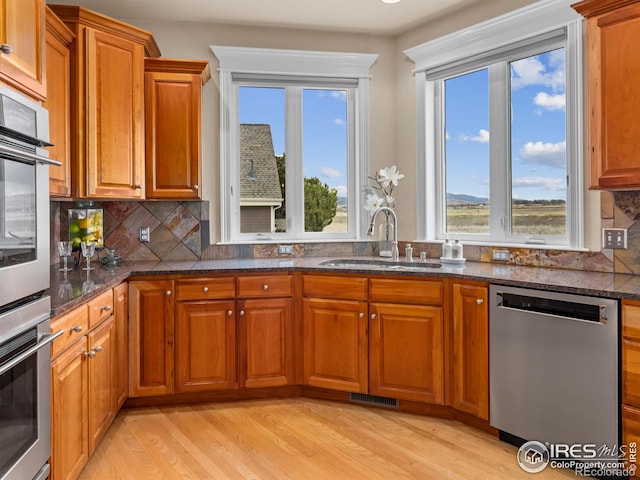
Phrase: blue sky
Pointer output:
(538, 130)
(324, 120)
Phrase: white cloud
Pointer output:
(331, 172)
(342, 190)
(447, 136)
(550, 154)
(339, 94)
(482, 137)
(550, 102)
(531, 71)
(339, 121)
(546, 183)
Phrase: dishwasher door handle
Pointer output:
(582, 312)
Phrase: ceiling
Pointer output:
(363, 16)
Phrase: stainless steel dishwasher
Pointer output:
(554, 367)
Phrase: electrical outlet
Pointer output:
(614, 238)
(285, 249)
(501, 255)
(145, 235)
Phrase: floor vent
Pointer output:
(374, 400)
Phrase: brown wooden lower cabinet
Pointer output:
(406, 359)
(121, 319)
(205, 346)
(471, 349)
(265, 343)
(335, 344)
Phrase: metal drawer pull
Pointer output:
(77, 328)
(47, 338)
(196, 187)
(168, 292)
(265, 287)
(479, 301)
(373, 316)
(242, 313)
(361, 315)
(229, 313)
(6, 49)
(106, 308)
(97, 348)
(205, 289)
(90, 354)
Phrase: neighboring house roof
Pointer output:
(258, 168)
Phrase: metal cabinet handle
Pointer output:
(106, 308)
(205, 289)
(138, 187)
(242, 313)
(373, 316)
(265, 287)
(361, 315)
(90, 354)
(229, 313)
(77, 328)
(6, 49)
(168, 292)
(196, 187)
(97, 348)
(479, 301)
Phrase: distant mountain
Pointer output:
(462, 199)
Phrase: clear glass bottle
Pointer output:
(446, 248)
(456, 249)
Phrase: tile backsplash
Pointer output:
(180, 231)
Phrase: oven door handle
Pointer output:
(28, 155)
(47, 338)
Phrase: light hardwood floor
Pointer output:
(298, 439)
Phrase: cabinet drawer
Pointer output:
(406, 291)
(347, 288)
(100, 308)
(265, 286)
(206, 288)
(631, 371)
(75, 325)
(631, 319)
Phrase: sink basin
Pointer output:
(386, 264)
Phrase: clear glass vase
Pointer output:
(385, 238)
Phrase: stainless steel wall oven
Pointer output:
(25, 356)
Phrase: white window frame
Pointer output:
(317, 67)
(502, 33)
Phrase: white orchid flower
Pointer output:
(389, 175)
(374, 202)
(389, 200)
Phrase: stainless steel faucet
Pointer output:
(395, 254)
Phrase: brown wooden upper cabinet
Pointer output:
(613, 71)
(58, 44)
(107, 104)
(173, 93)
(22, 46)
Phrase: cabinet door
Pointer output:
(69, 412)
(151, 337)
(613, 75)
(471, 350)
(22, 27)
(102, 402)
(205, 342)
(58, 70)
(265, 343)
(121, 344)
(406, 354)
(172, 106)
(114, 150)
(335, 344)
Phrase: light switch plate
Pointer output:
(614, 238)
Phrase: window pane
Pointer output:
(324, 140)
(538, 134)
(262, 156)
(466, 153)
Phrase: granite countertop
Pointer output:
(75, 287)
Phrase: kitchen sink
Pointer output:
(385, 264)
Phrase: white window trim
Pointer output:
(298, 63)
(521, 24)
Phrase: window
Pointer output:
(501, 130)
(294, 143)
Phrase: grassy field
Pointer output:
(527, 219)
